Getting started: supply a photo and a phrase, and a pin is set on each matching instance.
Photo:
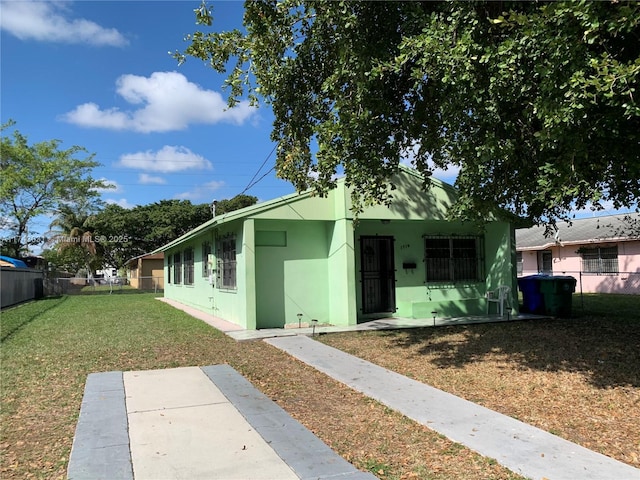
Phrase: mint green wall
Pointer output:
(301, 255)
(342, 273)
(501, 258)
(303, 207)
(294, 278)
(246, 274)
(200, 294)
(412, 202)
(231, 304)
(234, 305)
(417, 299)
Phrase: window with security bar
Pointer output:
(600, 260)
(188, 266)
(177, 268)
(454, 259)
(226, 271)
(206, 251)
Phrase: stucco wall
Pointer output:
(417, 299)
(567, 261)
(292, 277)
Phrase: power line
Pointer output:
(251, 182)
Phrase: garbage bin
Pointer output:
(532, 298)
(558, 293)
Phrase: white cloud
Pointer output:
(167, 101)
(123, 202)
(90, 115)
(202, 192)
(166, 160)
(50, 22)
(147, 179)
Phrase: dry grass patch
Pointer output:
(578, 378)
(50, 346)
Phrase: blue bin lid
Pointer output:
(559, 277)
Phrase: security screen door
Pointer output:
(377, 274)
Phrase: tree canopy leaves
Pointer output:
(122, 234)
(38, 179)
(535, 102)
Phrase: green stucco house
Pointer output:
(264, 265)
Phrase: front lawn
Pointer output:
(50, 346)
(578, 378)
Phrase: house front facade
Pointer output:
(602, 253)
(301, 258)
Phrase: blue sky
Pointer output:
(99, 74)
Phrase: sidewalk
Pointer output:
(524, 449)
(193, 423)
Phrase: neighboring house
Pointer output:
(146, 271)
(37, 262)
(603, 253)
(263, 265)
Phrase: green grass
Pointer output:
(51, 345)
(621, 308)
(105, 332)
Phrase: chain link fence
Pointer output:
(624, 283)
(57, 285)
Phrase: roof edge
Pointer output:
(229, 216)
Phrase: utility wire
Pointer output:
(252, 182)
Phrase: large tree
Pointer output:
(122, 234)
(39, 179)
(535, 102)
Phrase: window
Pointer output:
(188, 266)
(519, 263)
(177, 268)
(453, 259)
(226, 277)
(600, 259)
(169, 267)
(206, 251)
(545, 262)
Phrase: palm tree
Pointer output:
(70, 230)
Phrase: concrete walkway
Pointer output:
(193, 423)
(524, 449)
(392, 323)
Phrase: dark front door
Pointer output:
(377, 270)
